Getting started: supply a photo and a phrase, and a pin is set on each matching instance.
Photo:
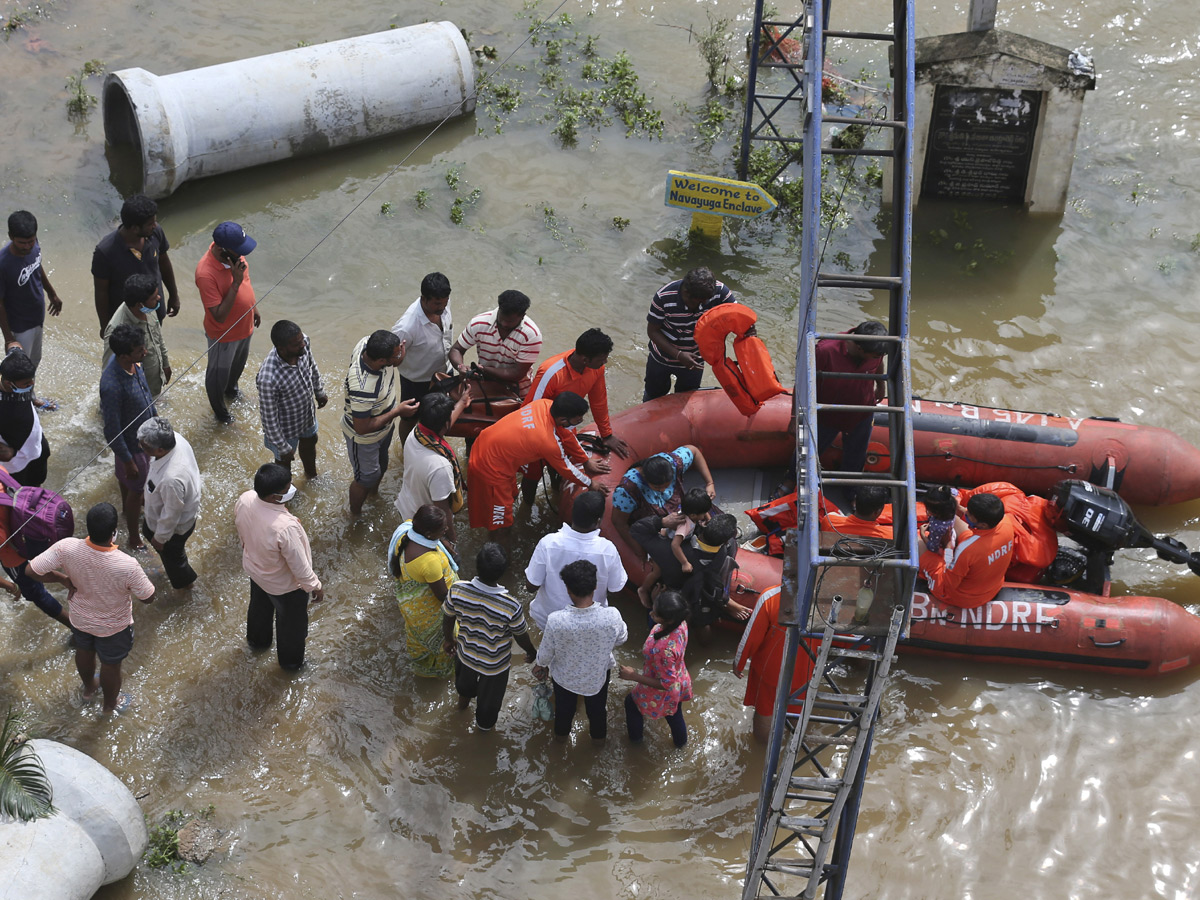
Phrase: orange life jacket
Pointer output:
(749, 380)
(773, 519)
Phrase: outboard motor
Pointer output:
(1102, 523)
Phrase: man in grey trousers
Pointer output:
(230, 316)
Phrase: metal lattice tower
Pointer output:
(817, 755)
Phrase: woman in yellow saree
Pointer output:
(424, 571)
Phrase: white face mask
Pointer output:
(288, 494)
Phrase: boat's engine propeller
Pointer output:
(1102, 522)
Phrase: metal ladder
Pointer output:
(829, 747)
(816, 760)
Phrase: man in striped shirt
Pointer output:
(507, 340)
(372, 406)
(671, 326)
(489, 619)
(290, 391)
(102, 582)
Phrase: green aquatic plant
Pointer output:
(16, 19)
(163, 850)
(80, 101)
(458, 209)
(712, 44)
(570, 85)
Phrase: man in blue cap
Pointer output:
(230, 316)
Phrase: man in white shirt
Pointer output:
(431, 470)
(426, 331)
(172, 497)
(577, 652)
(579, 540)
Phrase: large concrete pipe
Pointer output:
(239, 114)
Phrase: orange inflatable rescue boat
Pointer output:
(1047, 626)
(964, 445)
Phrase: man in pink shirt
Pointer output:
(102, 582)
(278, 559)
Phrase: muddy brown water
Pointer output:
(355, 779)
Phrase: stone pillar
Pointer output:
(982, 15)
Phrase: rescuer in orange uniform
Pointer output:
(581, 371)
(1036, 519)
(869, 502)
(981, 559)
(539, 431)
(763, 643)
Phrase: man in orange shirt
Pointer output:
(539, 431)
(581, 371)
(762, 645)
(981, 558)
(230, 316)
(869, 502)
(1034, 519)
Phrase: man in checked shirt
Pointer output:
(290, 392)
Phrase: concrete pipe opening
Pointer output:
(123, 138)
(239, 114)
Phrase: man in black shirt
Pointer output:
(138, 247)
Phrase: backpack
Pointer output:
(40, 517)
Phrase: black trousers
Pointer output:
(174, 557)
(486, 690)
(658, 379)
(566, 702)
(287, 614)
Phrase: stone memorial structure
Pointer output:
(997, 117)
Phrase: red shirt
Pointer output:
(976, 572)
(213, 279)
(555, 375)
(831, 357)
(8, 553)
(524, 437)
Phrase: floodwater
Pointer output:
(353, 778)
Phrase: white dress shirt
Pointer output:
(566, 546)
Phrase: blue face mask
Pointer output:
(24, 390)
(146, 311)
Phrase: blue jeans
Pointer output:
(34, 591)
(855, 443)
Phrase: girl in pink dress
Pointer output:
(664, 683)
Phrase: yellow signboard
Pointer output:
(717, 196)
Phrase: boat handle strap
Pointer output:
(1106, 644)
